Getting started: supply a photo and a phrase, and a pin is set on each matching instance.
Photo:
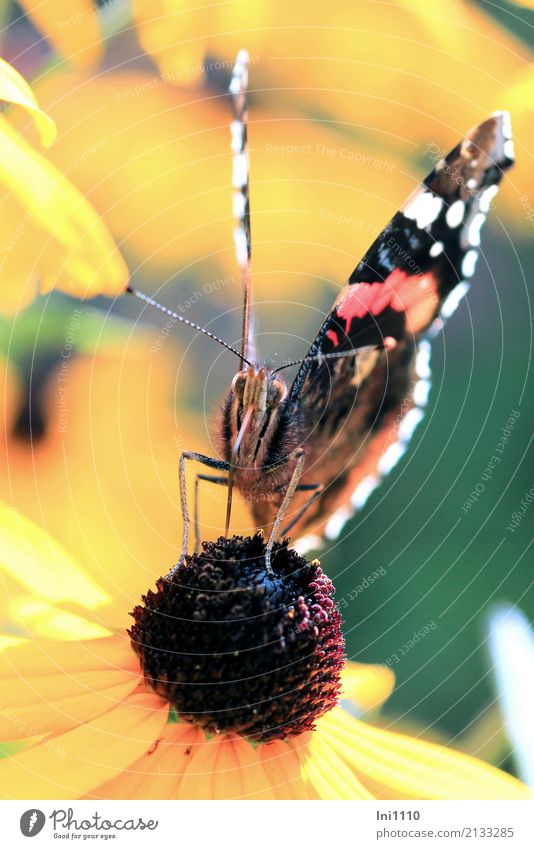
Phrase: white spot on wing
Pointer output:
(336, 522)
(240, 241)
(363, 491)
(236, 130)
(240, 170)
(240, 73)
(424, 209)
(422, 361)
(486, 198)
(239, 204)
(506, 123)
(455, 213)
(453, 299)
(473, 233)
(409, 423)
(420, 392)
(468, 263)
(307, 543)
(508, 149)
(391, 457)
(436, 249)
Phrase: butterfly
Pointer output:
(306, 455)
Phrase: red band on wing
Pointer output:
(415, 295)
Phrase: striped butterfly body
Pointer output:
(305, 455)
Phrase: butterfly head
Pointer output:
(251, 412)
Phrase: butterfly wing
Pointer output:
(355, 409)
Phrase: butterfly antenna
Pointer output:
(166, 311)
(241, 197)
(335, 355)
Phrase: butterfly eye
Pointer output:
(278, 392)
(238, 383)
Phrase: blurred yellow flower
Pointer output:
(50, 236)
(407, 67)
(84, 702)
(155, 161)
(71, 27)
(389, 74)
(102, 477)
(14, 89)
(390, 91)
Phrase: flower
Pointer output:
(50, 235)
(511, 644)
(403, 73)
(72, 28)
(236, 648)
(96, 462)
(84, 703)
(339, 135)
(155, 160)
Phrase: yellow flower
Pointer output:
(156, 162)
(406, 78)
(71, 27)
(388, 92)
(101, 474)
(413, 72)
(50, 236)
(92, 729)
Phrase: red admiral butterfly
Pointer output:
(326, 440)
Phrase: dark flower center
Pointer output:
(234, 648)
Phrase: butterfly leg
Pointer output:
(211, 463)
(317, 490)
(209, 479)
(299, 455)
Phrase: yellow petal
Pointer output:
(71, 26)
(327, 772)
(319, 198)
(51, 686)
(408, 768)
(50, 230)
(34, 617)
(197, 780)
(237, 771)
(366, 685)
(225, 768)
(255, 781)
(71, 765)
(7, 641)
(40, 564)
(103, 478)
(157, 773)
(401, 73)
(164, 32)
(282, 767)
(226, 780)
(15, 89)
(45, 657)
